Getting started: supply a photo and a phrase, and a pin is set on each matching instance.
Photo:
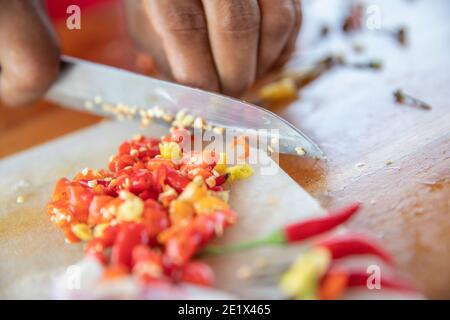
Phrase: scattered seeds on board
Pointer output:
(20, 199)
(406, 99)
(89, 105)
(360, 165)
(98, 99)
(261, 262)
(300, 151)
(244, 272)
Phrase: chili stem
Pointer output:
(274, 239)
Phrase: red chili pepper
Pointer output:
(79, 202)
(188, 240)
(98, 203)
(307, 229)
(294, 232)
(198, 273)
(147, 264)
(119, 162)
(342, 246)
(176, 180)
(97, 246)
(155, 218)
(339, 279)
(140, 182)
(360, 279)
(129, 236)
(220, 180)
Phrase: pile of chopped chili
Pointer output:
(151, 211)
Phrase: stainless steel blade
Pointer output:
(82, 81)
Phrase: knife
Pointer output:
(81, 81)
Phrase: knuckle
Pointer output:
(280, 21)
(239, 19)
(186, 20)
(240, 23)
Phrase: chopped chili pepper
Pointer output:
(220, 180)
(123, 213)
(186, 241)
(147, 263)
(155, 218)
(114, 272)
(129, 236)
(176, 180)
(198, 273)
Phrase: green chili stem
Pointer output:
(273, 239)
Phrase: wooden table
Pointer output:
(393, 158)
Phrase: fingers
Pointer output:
(182, 27)
(290, 45)
(234, 27)
(278, 20)
(29, 57)
(144, 35)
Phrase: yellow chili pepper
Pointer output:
(82, 231)
(210, 204)
(301, 280)
(180, 211)
(131, 209)
(99, 230)
(170, 150)
(194, 191)
(240, 172)
(221, 165)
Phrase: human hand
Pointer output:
(29, 56)
(217, 45)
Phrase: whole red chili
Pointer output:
(307, 229)
(360, 278)
(293, 232)
(342, 246)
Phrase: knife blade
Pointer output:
(82, 81)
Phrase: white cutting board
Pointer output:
(32, 249)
